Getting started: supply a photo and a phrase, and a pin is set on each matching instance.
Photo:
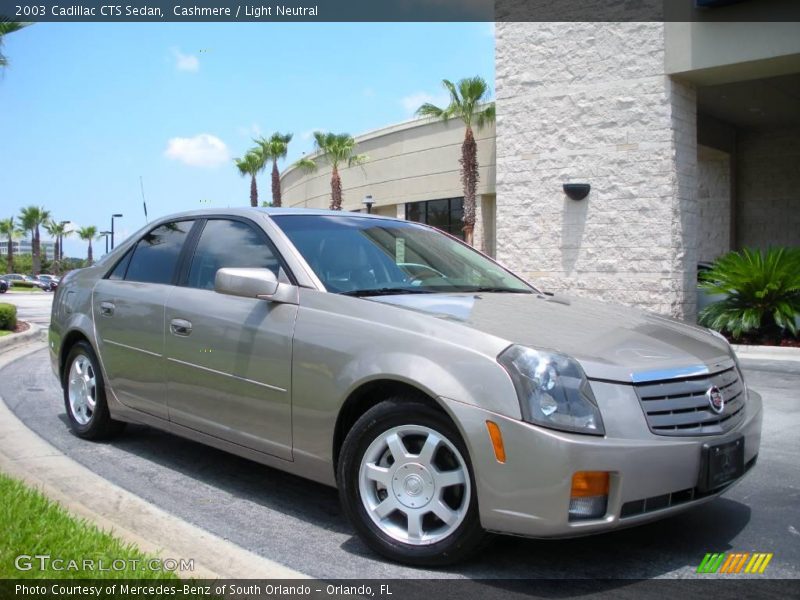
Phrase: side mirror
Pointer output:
(247, 283)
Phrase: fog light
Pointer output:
(589, 495)
(591, 507)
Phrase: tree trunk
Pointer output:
(276, 184)
(10, 255)
(35, 251)
(336, 190)
(469, 180)
(253, 191)
(89, 257)
(56, 250)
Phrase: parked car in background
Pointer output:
(441, 393)
(16, 277)
(50, 282)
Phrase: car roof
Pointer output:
(271, 212)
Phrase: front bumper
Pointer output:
(651, 476)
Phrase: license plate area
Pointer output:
(720, 464)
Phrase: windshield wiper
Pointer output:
(499, 290)
(386, 291)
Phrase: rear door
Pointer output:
(128, 308)
(229, 358)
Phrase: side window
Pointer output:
(225, 243)
(122, 266)
(156, 254)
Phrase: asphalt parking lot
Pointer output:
(299, 523)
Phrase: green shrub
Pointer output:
(8, 316)
(762, 290)
(23, 284)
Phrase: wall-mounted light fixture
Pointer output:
(577, 191)
(368, 201)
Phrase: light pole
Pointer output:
(368, 201)
(105, 234)
(114, 216)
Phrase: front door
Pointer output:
(229, 358)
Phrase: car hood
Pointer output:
(611, 342)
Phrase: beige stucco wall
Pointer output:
(712, 53)
(409, 162)
(590, 102)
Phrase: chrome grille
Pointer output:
(681, 407)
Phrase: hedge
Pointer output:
(8, 316)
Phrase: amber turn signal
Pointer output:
(497, 441)
(589, 483)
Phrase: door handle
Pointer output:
(180, 327)
(107, 308)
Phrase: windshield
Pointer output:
(369, 256)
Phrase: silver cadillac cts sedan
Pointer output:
(443, 395)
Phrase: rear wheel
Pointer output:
(85, 396)
(406, 484)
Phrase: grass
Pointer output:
(4, 332)
(33, 525)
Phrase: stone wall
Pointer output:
(589, 102)
(768, 184)
(714, 203)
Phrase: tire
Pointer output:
(87, 421)
(383, 502)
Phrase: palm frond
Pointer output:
(306, 164)
(761, 289)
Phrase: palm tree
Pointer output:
(88, 233)
(9, 229)
(58, 231)
(251, 164)
(7, 27)
(31, 218)
(336, 148)
(274, 149)
(468, 103)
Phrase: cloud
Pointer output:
(202, 150)
(413, 101)
(368, 92)
(185, 62)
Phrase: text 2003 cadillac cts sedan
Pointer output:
(443, 395)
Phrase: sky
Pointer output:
(89, 108)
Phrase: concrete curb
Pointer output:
(26, 456)
(17, 339)
(767, 352)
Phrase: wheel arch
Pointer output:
(373, 392)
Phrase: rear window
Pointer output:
(155, 256)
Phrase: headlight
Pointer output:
(553, 390)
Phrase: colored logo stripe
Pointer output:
(715, 562)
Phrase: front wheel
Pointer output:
(85, 395)
(407, 487)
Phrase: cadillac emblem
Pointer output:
(715, 399)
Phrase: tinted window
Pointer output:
(226, 243)
(122, 266)
(156, 255)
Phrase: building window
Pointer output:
(445, 214)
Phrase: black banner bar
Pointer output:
(398, 10)
(739, 587)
